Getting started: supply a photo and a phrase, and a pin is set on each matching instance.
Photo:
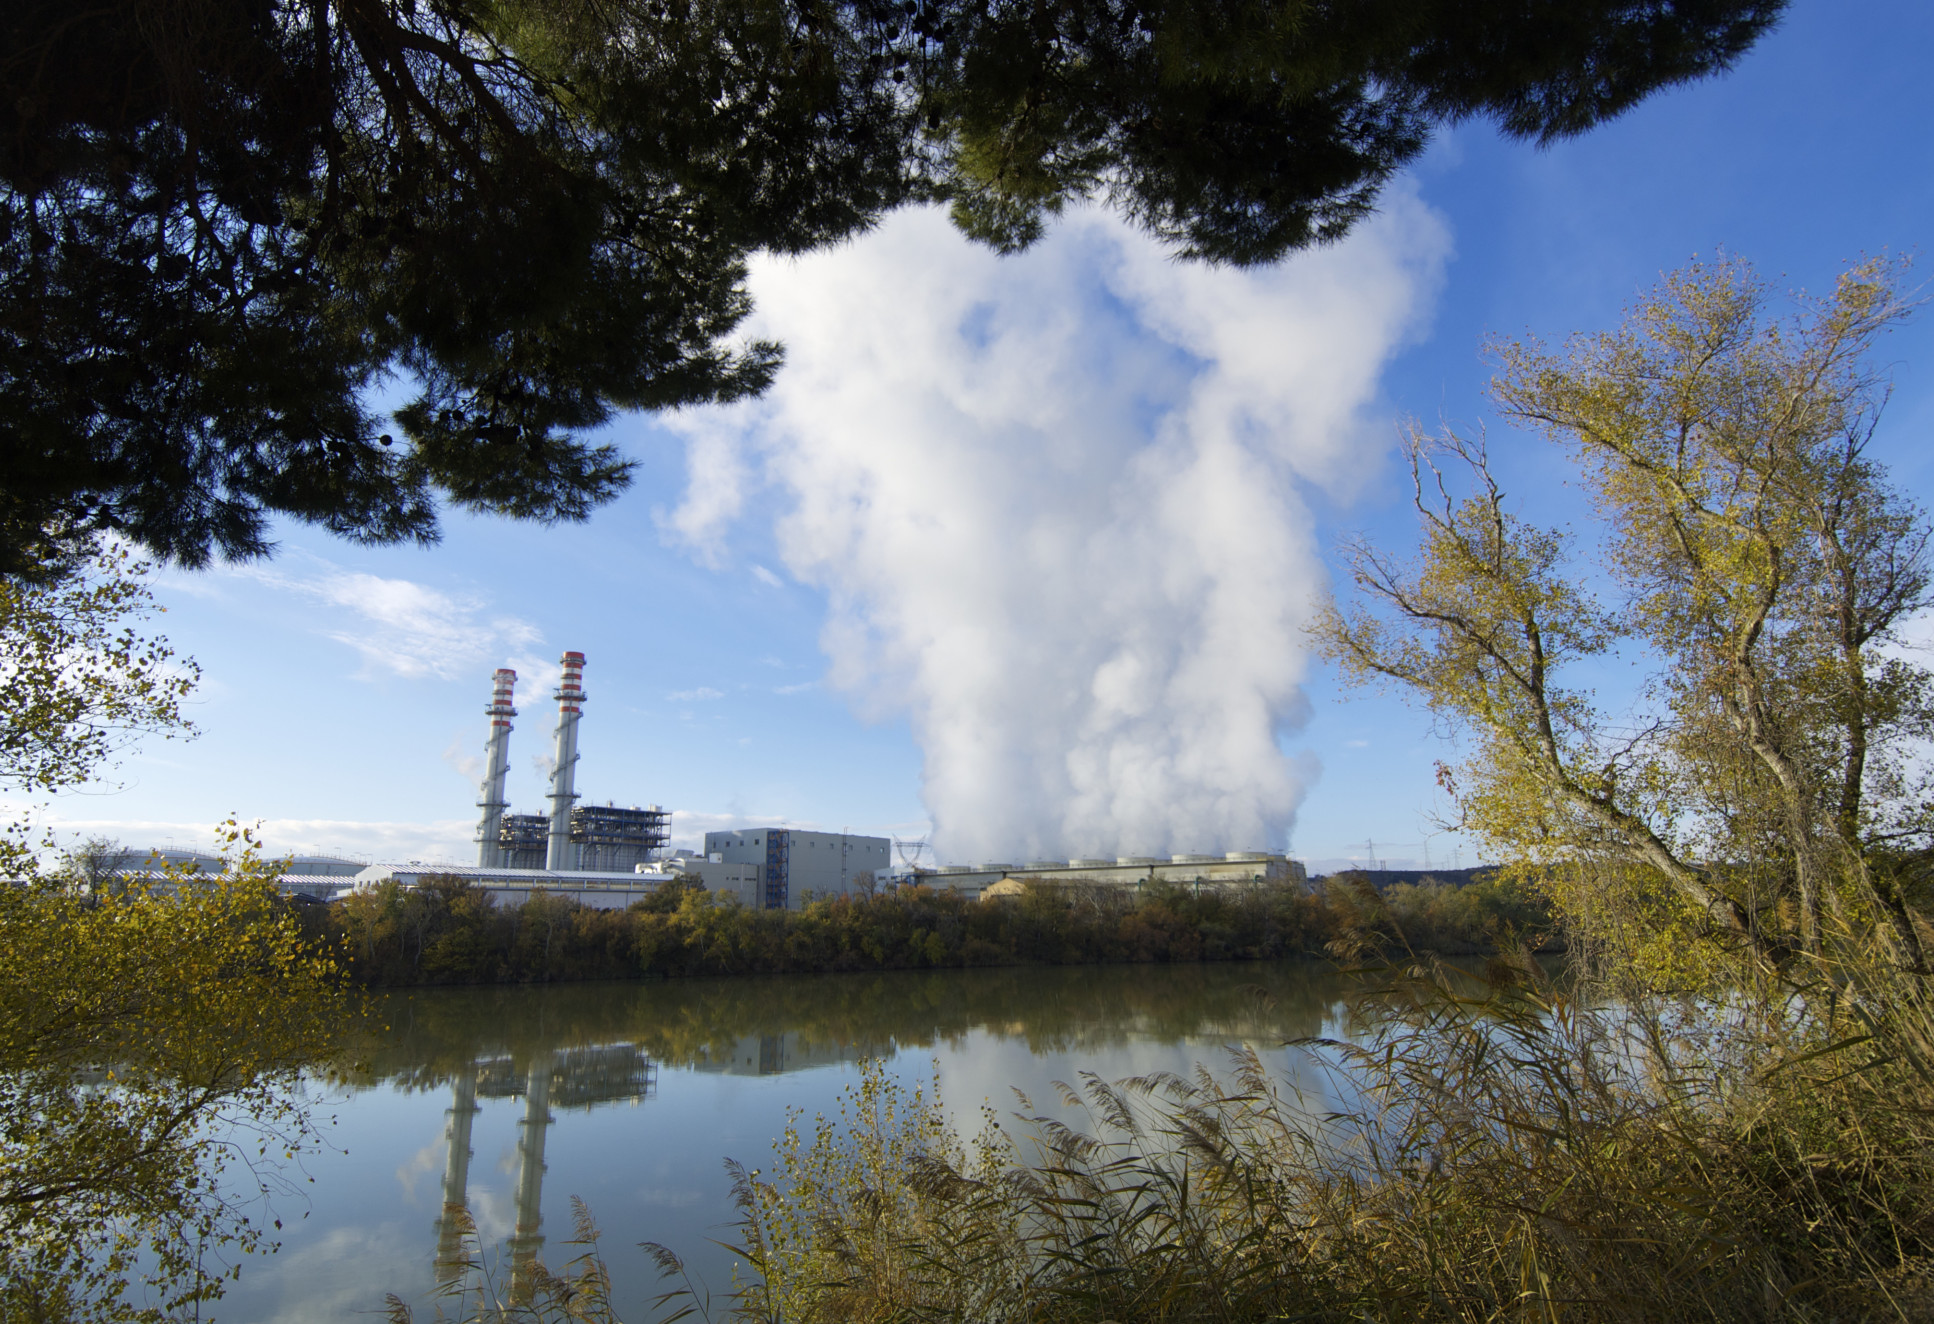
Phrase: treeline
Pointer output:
(448, 931)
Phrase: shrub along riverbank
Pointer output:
(447, 931)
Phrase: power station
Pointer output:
(572, 838)
(608, 857)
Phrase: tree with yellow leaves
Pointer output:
(1753, 558)
(152, 1034)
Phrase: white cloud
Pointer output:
(766, 577)
(1053, 503)
(699, 695)
(689, 826)
(443, 841)
(407, 628)
(310, 1286)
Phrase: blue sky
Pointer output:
(1018, 550)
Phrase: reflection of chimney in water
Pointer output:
(451, 1253)
(528, 1240)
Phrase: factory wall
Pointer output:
(597, 889)
(513, 887)
(741, 882)
(798, 866)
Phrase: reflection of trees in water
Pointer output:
(791, 1021)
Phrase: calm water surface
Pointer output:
(631, 1097)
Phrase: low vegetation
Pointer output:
(447, 931)
(153, 1040)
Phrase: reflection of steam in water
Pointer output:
(580, 1077)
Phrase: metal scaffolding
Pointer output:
(604, 838)
(524, 839)
(613, 840)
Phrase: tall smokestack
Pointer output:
(490, 855)
(570, 701)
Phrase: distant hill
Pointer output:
(1382, 878)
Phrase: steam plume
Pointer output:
(1054, 502)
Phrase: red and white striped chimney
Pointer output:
(570, 706)
(490, 855)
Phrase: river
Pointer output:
(630, 1097)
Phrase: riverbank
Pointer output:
(447, 931)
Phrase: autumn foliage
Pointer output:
(448, 931)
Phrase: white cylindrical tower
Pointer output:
(490, 855)
(570, 706)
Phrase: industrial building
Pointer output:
(513, 887)
(770, 868)
(765, 868)
(602, 838)
(317, 877)
(797, 866)
(1234, 869)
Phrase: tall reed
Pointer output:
(1506, 1150)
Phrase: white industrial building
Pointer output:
(745, 880)
(318, 877)
(513, 887)
(738, 881)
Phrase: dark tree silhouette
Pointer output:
(223, 221)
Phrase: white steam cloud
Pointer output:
(1053, 502)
